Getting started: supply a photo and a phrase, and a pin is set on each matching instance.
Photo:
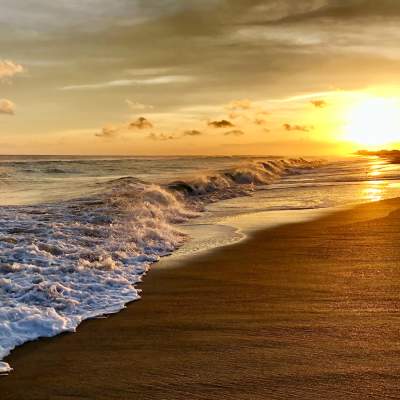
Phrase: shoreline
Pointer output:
(227, 324)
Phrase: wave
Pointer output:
(55, 171)
(65, 262)
(240, 180)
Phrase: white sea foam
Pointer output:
(64, 262)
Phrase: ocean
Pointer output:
(77, 234)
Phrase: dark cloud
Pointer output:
(235, 132)
(221, 124)
(298, 128)
(109, 132)
(161, 136)
(165, 136)
(319, 103)
(141, 123)
(192, 132)
(392, 155)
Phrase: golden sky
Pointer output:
(289, 77)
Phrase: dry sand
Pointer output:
(305, 311)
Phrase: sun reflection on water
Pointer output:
(375, 188)
(375, 168)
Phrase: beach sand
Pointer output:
(304, 311)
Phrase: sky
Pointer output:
(176, 77)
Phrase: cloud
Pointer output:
(165, 136)
(7, 107)
(44, 16)
(392, 155)
(160, 80)
(161, 136)
(234, 115)
(235, 132)
(9, 68)
(134, 105)
(111, 131)
(319, 103)
(221, 124)
(293, 11)
(244, 104)
(108, 132)
(266, 64)
(192, 132)
(148, 71)
(141, 123)
(298, 128)
(260, 121)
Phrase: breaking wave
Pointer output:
(240, 180)
(62, 263)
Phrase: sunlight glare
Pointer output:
(374, 122)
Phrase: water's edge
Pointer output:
(67, 262)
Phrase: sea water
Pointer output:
(77, 234)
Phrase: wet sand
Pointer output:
(305, 311)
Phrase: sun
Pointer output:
(373, 122)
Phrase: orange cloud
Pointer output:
(299, 128)
(192, 132)
(319, 103)
(236, 132)
(141, 123)
(244, 104)
(260, 121)
(108, 132)
(113, 131)
(161, 136)
(221, 124)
